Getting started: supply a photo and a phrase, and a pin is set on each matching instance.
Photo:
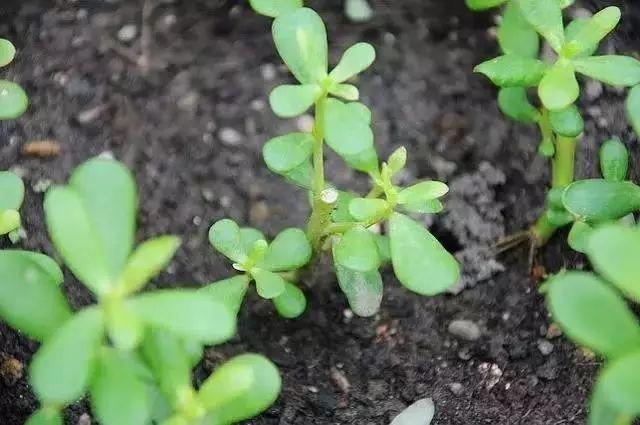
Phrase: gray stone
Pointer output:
(464, 329)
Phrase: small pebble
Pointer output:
(464, 329)
(545, 347)
(268, 71)
(230, 136)
(128, 33)
(456, 388)
(88, 116)
(84, 419)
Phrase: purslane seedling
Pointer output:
(11, 197)
(592, 311)
(340, 222)
(13, 99)
(519, 71)
(131, 352)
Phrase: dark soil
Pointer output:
(212, 66)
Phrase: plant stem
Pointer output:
(321, 216)
(318, 147)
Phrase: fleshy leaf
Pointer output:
(290, 250)
(9, 221)
(147, 261)
(365, 161)
(364, 209)
(515, 104)
(355, 59)
(346, 132)
(357, 250)
(12, 190)
(572, 30)
(593, 314)
(614, 160)
(483, 4)
(268, 284)
(397, 160)
(229, 292)
(363, 290)
(283, 154)
(224, 236)
(592, 31)
(239, 389)
(301, 40)
(610, 69)
(513, 71)
(633, 109)
(345, 91)
(13, 100)
(559, 87)
(419, 261)
(62, 367)
(546, 17)
(124, 327)
(567, 122)
(249, 236)
(341, 213)
(289, 100)
(422, 192)
(579, 236)
(598, 200)
(619, 382)
(45, 416)
(432, 206)
(515, 35)
(274, 8)
(602, 410)
(291, 303)
(360, 110)
(7, 52)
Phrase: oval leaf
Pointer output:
(572, 30)
(289, 101)
(619, 382)
(592, 31)
(345, 91)
(515, 35)
(567, 122)
(274, 8)
(422, 192)
(12, 190)
(514, 103)
(224, 236)
(229, 292)
(357, 250)
(365, 209)
(147, 261)
(633, 109)
(363, 290)
(610, 69)
(546, 17)
(598, 200)
(291, 303)
(346, 133)
(579, 236)
(355, 59)
(283, 154)
(290, 250)
(268, 284)
(45, 416)
(614, 160)
(559, 87)
(13, 100)
(7, 52)
(513, 71)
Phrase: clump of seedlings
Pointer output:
(519, 72)
(13, 99)
(131, 352)
(341, 222)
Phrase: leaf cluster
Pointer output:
(13, 99)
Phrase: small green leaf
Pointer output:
(358, 10)
(341, 213)
(9, 221)
(514, 103)
(432, 206)
(567, 122)
(359, 110)
(384, 247)
(62, 367)
(483, 4)
(593, 314)
(355, 59)
(422, 192)
(290, 250)
(241, 388)
(363, 290)
(118, 393)
(147, 261)
(189, 314)
(365, 161)
(291, 303)
(289, 101)
(633, 109)
(419, 261)
(610, 69)
(602, 410)
(346, 132)
(249, 236)
(12, 190)
(283, 154)
(598, 200)
(614, 250)
(515, 35)
(559, 87)
(345, 91)
(124, 327)
(397, 160)
(592, 31)
(572, 30)
(357, 250)
(13, 100)
(579, 236)
(268, 284)
(45, 416)
(546, 17)
(619, 382)
(229, 292)
(224, 236)
(365, 209)
(301, 40)
(7, 52)
(275, 8)
(513, 71)
(614, 160)
(558, 217)
(300, 175)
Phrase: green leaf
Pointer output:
(289, 101)
(341, 213)
(300, 175)
(355, 59)
(45, 416)
(384, 248)
(357, 250)
(598, 200)
(365, 209)
(249, 236)
(274, 8)
(62, 367)
(614, 160)
(572, 30)
(30, 299)
(633, 109)
(483, 4)
(13, 100)
(147, 261)
(565, 3)
(592, 31)
(559, 87)
(9, 222)
(345, 91)
(241, 388)
(360, 110)
(513, 71)
(12, 190)
(546, 17)
(602, 411)
(189, 314)
(268, 284)
(118, 394)
(124, 327)
(291, 303)
(358, 10)
(515, 35)
(593, 314)
(283, 154)
(229, 292)
(346, 132)
(514, 103)
(419, 261)
(76, 238)
(579, 236)
(7, 52)
(224, 236)
(619, 382)
(290, 250)
(363, 290)
(614, 250)
(567, 122)
(397, 160)
(610, 69)
(365, 161)
(301, 40)
(108, 194)
(432, 206)
(422, 192)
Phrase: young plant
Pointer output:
(12, 190)
(13, 99)
(341, 222)
(519, 70)
(131, 352)
(592, 311)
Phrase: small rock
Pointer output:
(230, 136)
(84, 419)
(545, 347)
(189, 101)
(465, 354)
(305, 123)
(549, 370)
(465, 329)
(88, 116)
(259, 212)
(340, 380)
(268, 71)
(11, 370)
(456, 388)
(553, 331)
(208, 195)
(491, 374)
(128, 33)
(42, 185)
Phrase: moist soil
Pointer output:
(191, 125)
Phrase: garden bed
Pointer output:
(192, 129)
